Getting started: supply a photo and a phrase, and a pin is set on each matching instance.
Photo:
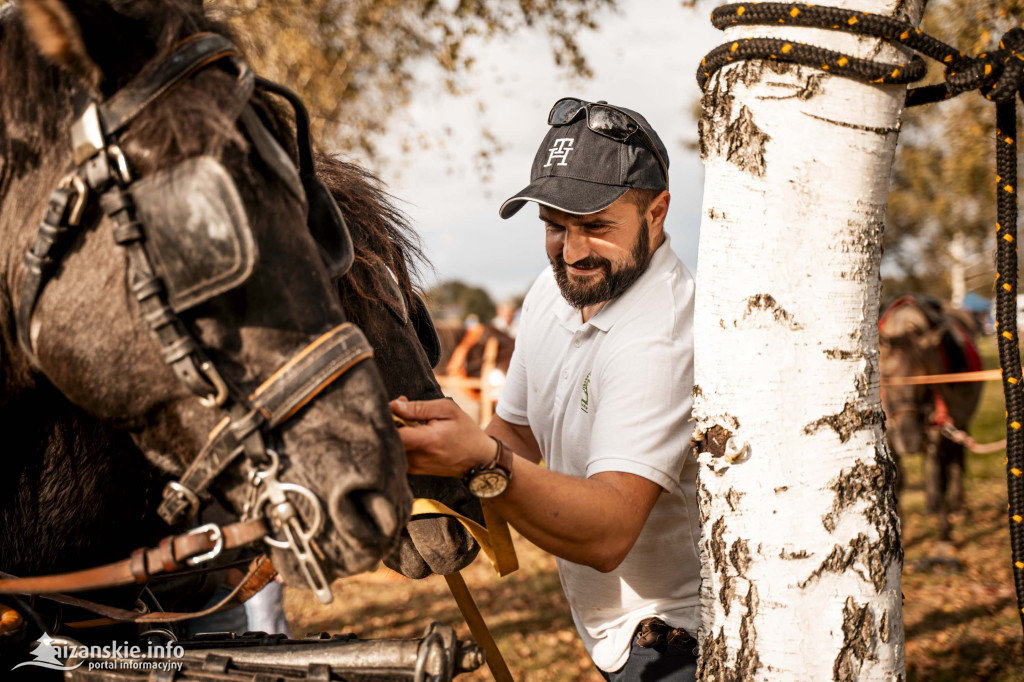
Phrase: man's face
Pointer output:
(596, 257)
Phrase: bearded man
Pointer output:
(599, 388)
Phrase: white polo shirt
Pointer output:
(614, 394)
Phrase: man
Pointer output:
(599, 388)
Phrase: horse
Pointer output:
(90, 403)
(919, 335)
(407, 349)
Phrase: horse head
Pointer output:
(908, 409)
(377, 294)
(133, 332)
(920, 336)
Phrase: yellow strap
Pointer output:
(478, 628)
(495, 540)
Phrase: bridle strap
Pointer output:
(261, 572)
(172, 554)
(63, 214)
(300, 380)
(190, 55)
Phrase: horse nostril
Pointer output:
(365, 513)
(381, 511)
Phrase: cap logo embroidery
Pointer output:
(560, 151)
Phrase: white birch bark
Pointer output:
(958, 270)
(801, 552)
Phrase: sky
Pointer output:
(643, 57)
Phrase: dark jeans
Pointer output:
(663, 664)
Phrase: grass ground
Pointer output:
(960, 615)
(959, 605)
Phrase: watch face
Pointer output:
(489, 483)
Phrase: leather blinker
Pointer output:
(197, 233)
(328, 227)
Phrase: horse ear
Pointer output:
(88, 38)
(56, 33)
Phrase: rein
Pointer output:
(102, 173)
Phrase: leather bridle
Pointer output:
(102, 172)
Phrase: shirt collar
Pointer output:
(570, 318)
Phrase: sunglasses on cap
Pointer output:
(605, 120)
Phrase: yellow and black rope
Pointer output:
(999, 76)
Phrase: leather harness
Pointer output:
(102, 171)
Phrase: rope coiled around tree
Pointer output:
(999, 76)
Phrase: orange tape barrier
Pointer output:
(958, 378)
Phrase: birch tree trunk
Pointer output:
(958, 270)
(801, 550)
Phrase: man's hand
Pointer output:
(448, 444)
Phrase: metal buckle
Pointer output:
(218, 546)
(220, 396)
(120, 163)
(73, 181)
(87, 138)
(283, 516)
(188, 495)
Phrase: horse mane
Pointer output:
(382, 236)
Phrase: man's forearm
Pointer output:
(590, 521)
(519, 438)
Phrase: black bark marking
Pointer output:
(810, 88)
(883, 627)
(716, 214)
(727, 594)
(847, 422)
(703, 501)
(875, 487)
(716, 545)
(767, 303)
(858, 642)
(697, 392)
(840, 354)
(860, 551)
(781, 489)
(747, 660)
(854, 126)
(732, 498)
(714, 654)
(716, 110)
(713, 663)
(794, 556)
(739, 555)
(872, 484)
(745, 143)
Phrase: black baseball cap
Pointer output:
(580, 171)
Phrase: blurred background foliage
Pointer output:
(452, 301)
(939, 237)
(357, 62)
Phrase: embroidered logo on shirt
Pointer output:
(585, 400)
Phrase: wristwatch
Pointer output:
(491, 479)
